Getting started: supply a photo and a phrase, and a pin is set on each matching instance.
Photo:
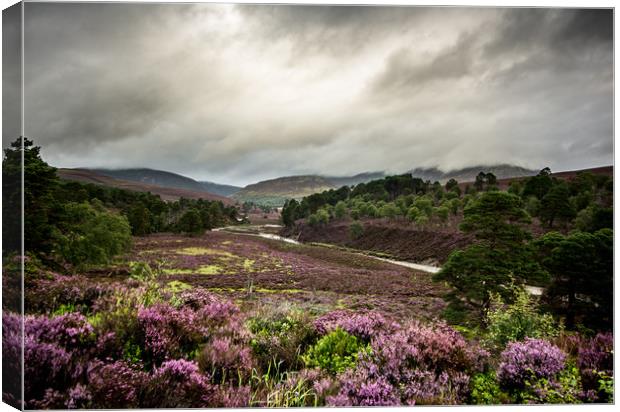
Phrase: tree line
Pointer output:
(81, 223)
(572, 259)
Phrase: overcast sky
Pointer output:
(237, 94)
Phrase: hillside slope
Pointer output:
(167, 179)
(468, 174)
(166, 193)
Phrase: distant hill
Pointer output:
(275, 192)
(468, 174)
(354, 180)
(166, 193)
(219, 189)
(167, 179)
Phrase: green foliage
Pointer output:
(516, 321)
(89, 235)
(496, 219)
(500, 257)
(566, 388)
(280, 339)
(356, 230)
(335, 352)
(581, 266)
(556, 205)
(413, 213)
(606, 386)
(593, 218)
(139, 219)
(389, 210)
(485, 390)
(340, 210)
(442, 213)
(191, 223)
(538, 185)
(39, 184)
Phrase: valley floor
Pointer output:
(256, 271)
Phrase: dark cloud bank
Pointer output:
(242, 93)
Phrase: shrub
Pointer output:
(281, 338)
(115, 385)
(225, 361)
(335, 352)
(356, 230)
(362, 325)
(358, 389)
(529, 361)
(565, 388)
(485, 390)
(178, 384)
(169, 332)
(50, 293)
(424, 363)
(91, 235)
(507, 323)
(595, 362)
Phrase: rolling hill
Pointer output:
(468, 174)
(166, 193)
(167, 179)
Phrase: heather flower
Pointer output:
(47, 294)
(46, 366)
(224, 360)
(71, 331)
(79, 397)
(595, 359)
(423, 364)
(178, 384)
(597, 353)
(115, 385)
(232, 397)
(11, 357)
(527, 360)
(361, 325)
(358, 389)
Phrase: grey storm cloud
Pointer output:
(240, 93)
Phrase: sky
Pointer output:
(241, 93)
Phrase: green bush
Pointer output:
(356, 230)
(485, 390)
(335, 352)
(280, 339)
(91, 235)
(565, 389)
(521, 319)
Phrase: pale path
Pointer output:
(533, 290)
(410, 265)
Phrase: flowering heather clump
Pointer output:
(71, 331)
(436, 347)
(11, 357)
(596, 362)
(169, 332)
(178, 384)
(424, 364)
(359, 389)
(362, 325)
(79, 397)
(232, 397)
(115, 385)
(47, 294)
(46, 366)
(530, 359)
(197, 298)
(597, 353)
(223, 360)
